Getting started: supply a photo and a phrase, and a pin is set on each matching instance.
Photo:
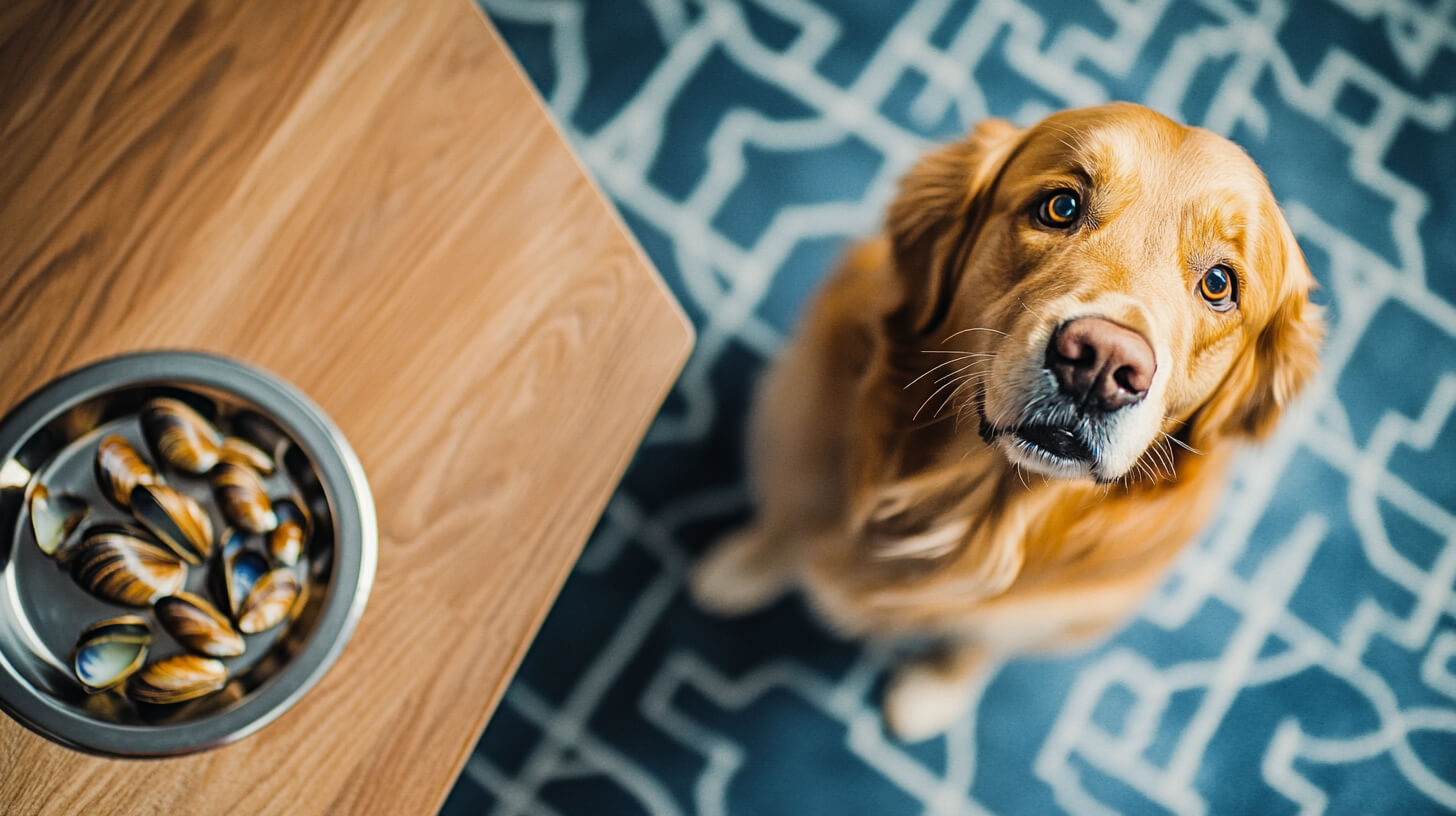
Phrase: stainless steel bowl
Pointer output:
(51, 437)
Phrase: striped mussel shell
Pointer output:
(197, 625)
(176, 519)
(288, 539)
(269, 603)
(241, 497)
(180, 436)
(108, 651)
(241, 451)
(121, 564)
(54, 518)
(119, 468)
(241, 567)
(177, 679)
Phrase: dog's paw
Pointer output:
(922, 701)
(734, 578)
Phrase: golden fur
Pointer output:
(876, 494)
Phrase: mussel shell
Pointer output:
(118, 563)
(108, 651)
(242, 498)
(262, 432)
(269, 603)
(287, 540)
(285, 543)
(177, 679)
(54, 518)
(198, 626)
(175, 519)
(242, 452)
(242, 566)
(180, 436)
(119, 468)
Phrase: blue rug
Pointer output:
(1300, 659)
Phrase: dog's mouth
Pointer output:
(1055, 449)
(1063, 443)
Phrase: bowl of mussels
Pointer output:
(186, 545)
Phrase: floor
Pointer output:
(1300, 659)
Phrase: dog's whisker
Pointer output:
(1153, 458)
(1166, 464)
(932, 396)
(965, 410)
(983, 374)
(972, 329)
(969, 379)
(1180, 443)
(1161, 454)
(963, 414)
(1034, 313)
(973, 378)
(945, 403)
(961, 360)
(923, 374)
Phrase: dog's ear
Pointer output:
(933, 221)
(1271, 371)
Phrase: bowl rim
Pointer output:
(355, 550)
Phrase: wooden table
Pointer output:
(366, 198)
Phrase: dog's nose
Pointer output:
(1102, 365)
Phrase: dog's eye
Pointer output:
(1060, 209)
(1218, 287)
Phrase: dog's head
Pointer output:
(1122, 279)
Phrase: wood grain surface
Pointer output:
(367, 199)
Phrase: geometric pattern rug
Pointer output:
(1299, 659)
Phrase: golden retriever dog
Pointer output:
(1002, 420)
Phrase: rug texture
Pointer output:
(1300, 659)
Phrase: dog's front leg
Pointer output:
(927, 694)
(744, 572)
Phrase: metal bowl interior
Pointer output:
(50, 439)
